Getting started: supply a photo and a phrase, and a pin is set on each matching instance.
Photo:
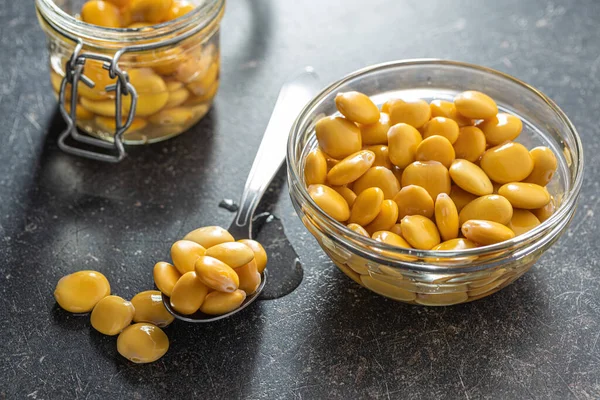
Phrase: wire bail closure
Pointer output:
(73, 75)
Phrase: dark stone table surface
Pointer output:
(538, 338)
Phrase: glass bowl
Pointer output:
(437, 278)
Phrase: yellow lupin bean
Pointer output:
(387, 217)
(109, 125)
(446, 217)
(501, 128)
(202, 84)
(490, 207)
(380, 177)
(382, 155)
(523, 221)
(151, 89)
(420, 232)
(358, 229)
(260, 255)
(461, 197)
(446, 109)
(193, 68)
(142, 343)
(332, 203)
(470, 144)
(209, 236)
(150, 10)
(510, 162)
(111, 315)
(177, 97)
(100, 107)
(475, 105)
(188, 294)
(376, 133)
(525, 195)
(234, 254)
(346, 193)
(391, 238)
(81, 112)
(545, 212)
(455, 244)
(441, 126)
(179, 9)
(315, 168)
(367, 206)
(387, 289)
(414, 200)
(101, 13)
(149, 308)
(184, 254)
(173, 85)
(218, 303)
(120, 3)
(403, 140)
(216, 274)
(80, 291)
(396, 229)
(172, 116)
(93, 70)
(351, 168)
(331, 162)
(430, 175)
(486, 232)
(357, 107)
(338, 136)
(163, 61)
(436, 148)
(471, 178)
(249, 277)
(544, 166)
(165, 277)
(415, 113)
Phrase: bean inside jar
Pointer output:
(436, 155)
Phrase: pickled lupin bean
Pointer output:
(184, 254)
(430, 175)
(545, 212)
(111, 315)
(403, 140)
(150, 10)
(142, 343)
(249, 277)
(209, 236)
(165, 277)
(338, 136)
(380, 177)
(216, 275)
(151, 89)
(510, 162)
(219, 303)
(149, 308)
(260, 255)
(523, 221)
(188, 294)
(80, 291)
(486, 232)
(490, 207)
(436, 148)
(332, 203)
(177, 97)
(391, 238)
(382, 155)
(446, 109)
(455, 244)
(446, 217)
(460, 197)
(441, 126)
(101, 13)
(415, 113)
(367, 206)
(501, 128)
(475, 105)
(172, 116)
(470, 144)
(351, 168)
(420, 232)
(109, 125)
(414, 200)
(234, 254)
(525, 195)
(357, 107)
(358, 229)
(346, 193)
(387, 289)
(376, 133)
(179, 9)
(470, 178)
(315, 168)
(387, 217)
(544, 166)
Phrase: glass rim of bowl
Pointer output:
(545, 232)
(199, 18)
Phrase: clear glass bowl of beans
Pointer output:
(175, 81)
(434, 182)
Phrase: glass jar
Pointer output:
(135, 85)
(428, 277)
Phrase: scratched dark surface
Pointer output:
(538, 338)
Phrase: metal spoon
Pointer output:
(294, 95)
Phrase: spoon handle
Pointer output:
(294, 95)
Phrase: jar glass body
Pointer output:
(430, 277)
(175, 82)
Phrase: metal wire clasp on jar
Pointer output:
(134, 85)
